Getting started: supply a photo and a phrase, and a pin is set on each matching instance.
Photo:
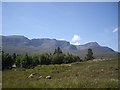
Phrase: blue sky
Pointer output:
(77, 23)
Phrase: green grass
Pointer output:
(102, 74)
(0, 79)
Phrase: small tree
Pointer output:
(89, 55)
(18, 60)
(77, 59)
(26, 61)
(58, 51)
(7, 60)
(57, 57)
(68, 58)
(45, 59)
(35, 60)
(14, 57)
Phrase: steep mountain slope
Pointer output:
(99, 51)
(21, 44)
(88, 45)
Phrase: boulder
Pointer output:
(48, 77)
(14, 66)
(40, 77)
(101, 70)
(30, 76)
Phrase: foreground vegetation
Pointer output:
(26, 61)
(88, 74)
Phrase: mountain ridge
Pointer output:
(21, 44)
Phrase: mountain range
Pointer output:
(21, 44)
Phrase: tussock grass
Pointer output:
(102, 74)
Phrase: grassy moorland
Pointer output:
(89, 74)
(0, 79)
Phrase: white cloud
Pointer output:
(76, 38)
(62, 39)
(76, 43)
(115, 30)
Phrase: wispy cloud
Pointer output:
(62, 39)
(76, 38)
(115, 30)
(76, 43)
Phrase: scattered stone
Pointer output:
(48, 77)
(68, 70)
(96, 80)
(69, 65)
(40, 77)
(14, 66)
(30, 76)
(101, 70)
(110, 59)
(114, 80)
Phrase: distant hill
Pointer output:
(21, 44)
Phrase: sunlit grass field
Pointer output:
(95, 74)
